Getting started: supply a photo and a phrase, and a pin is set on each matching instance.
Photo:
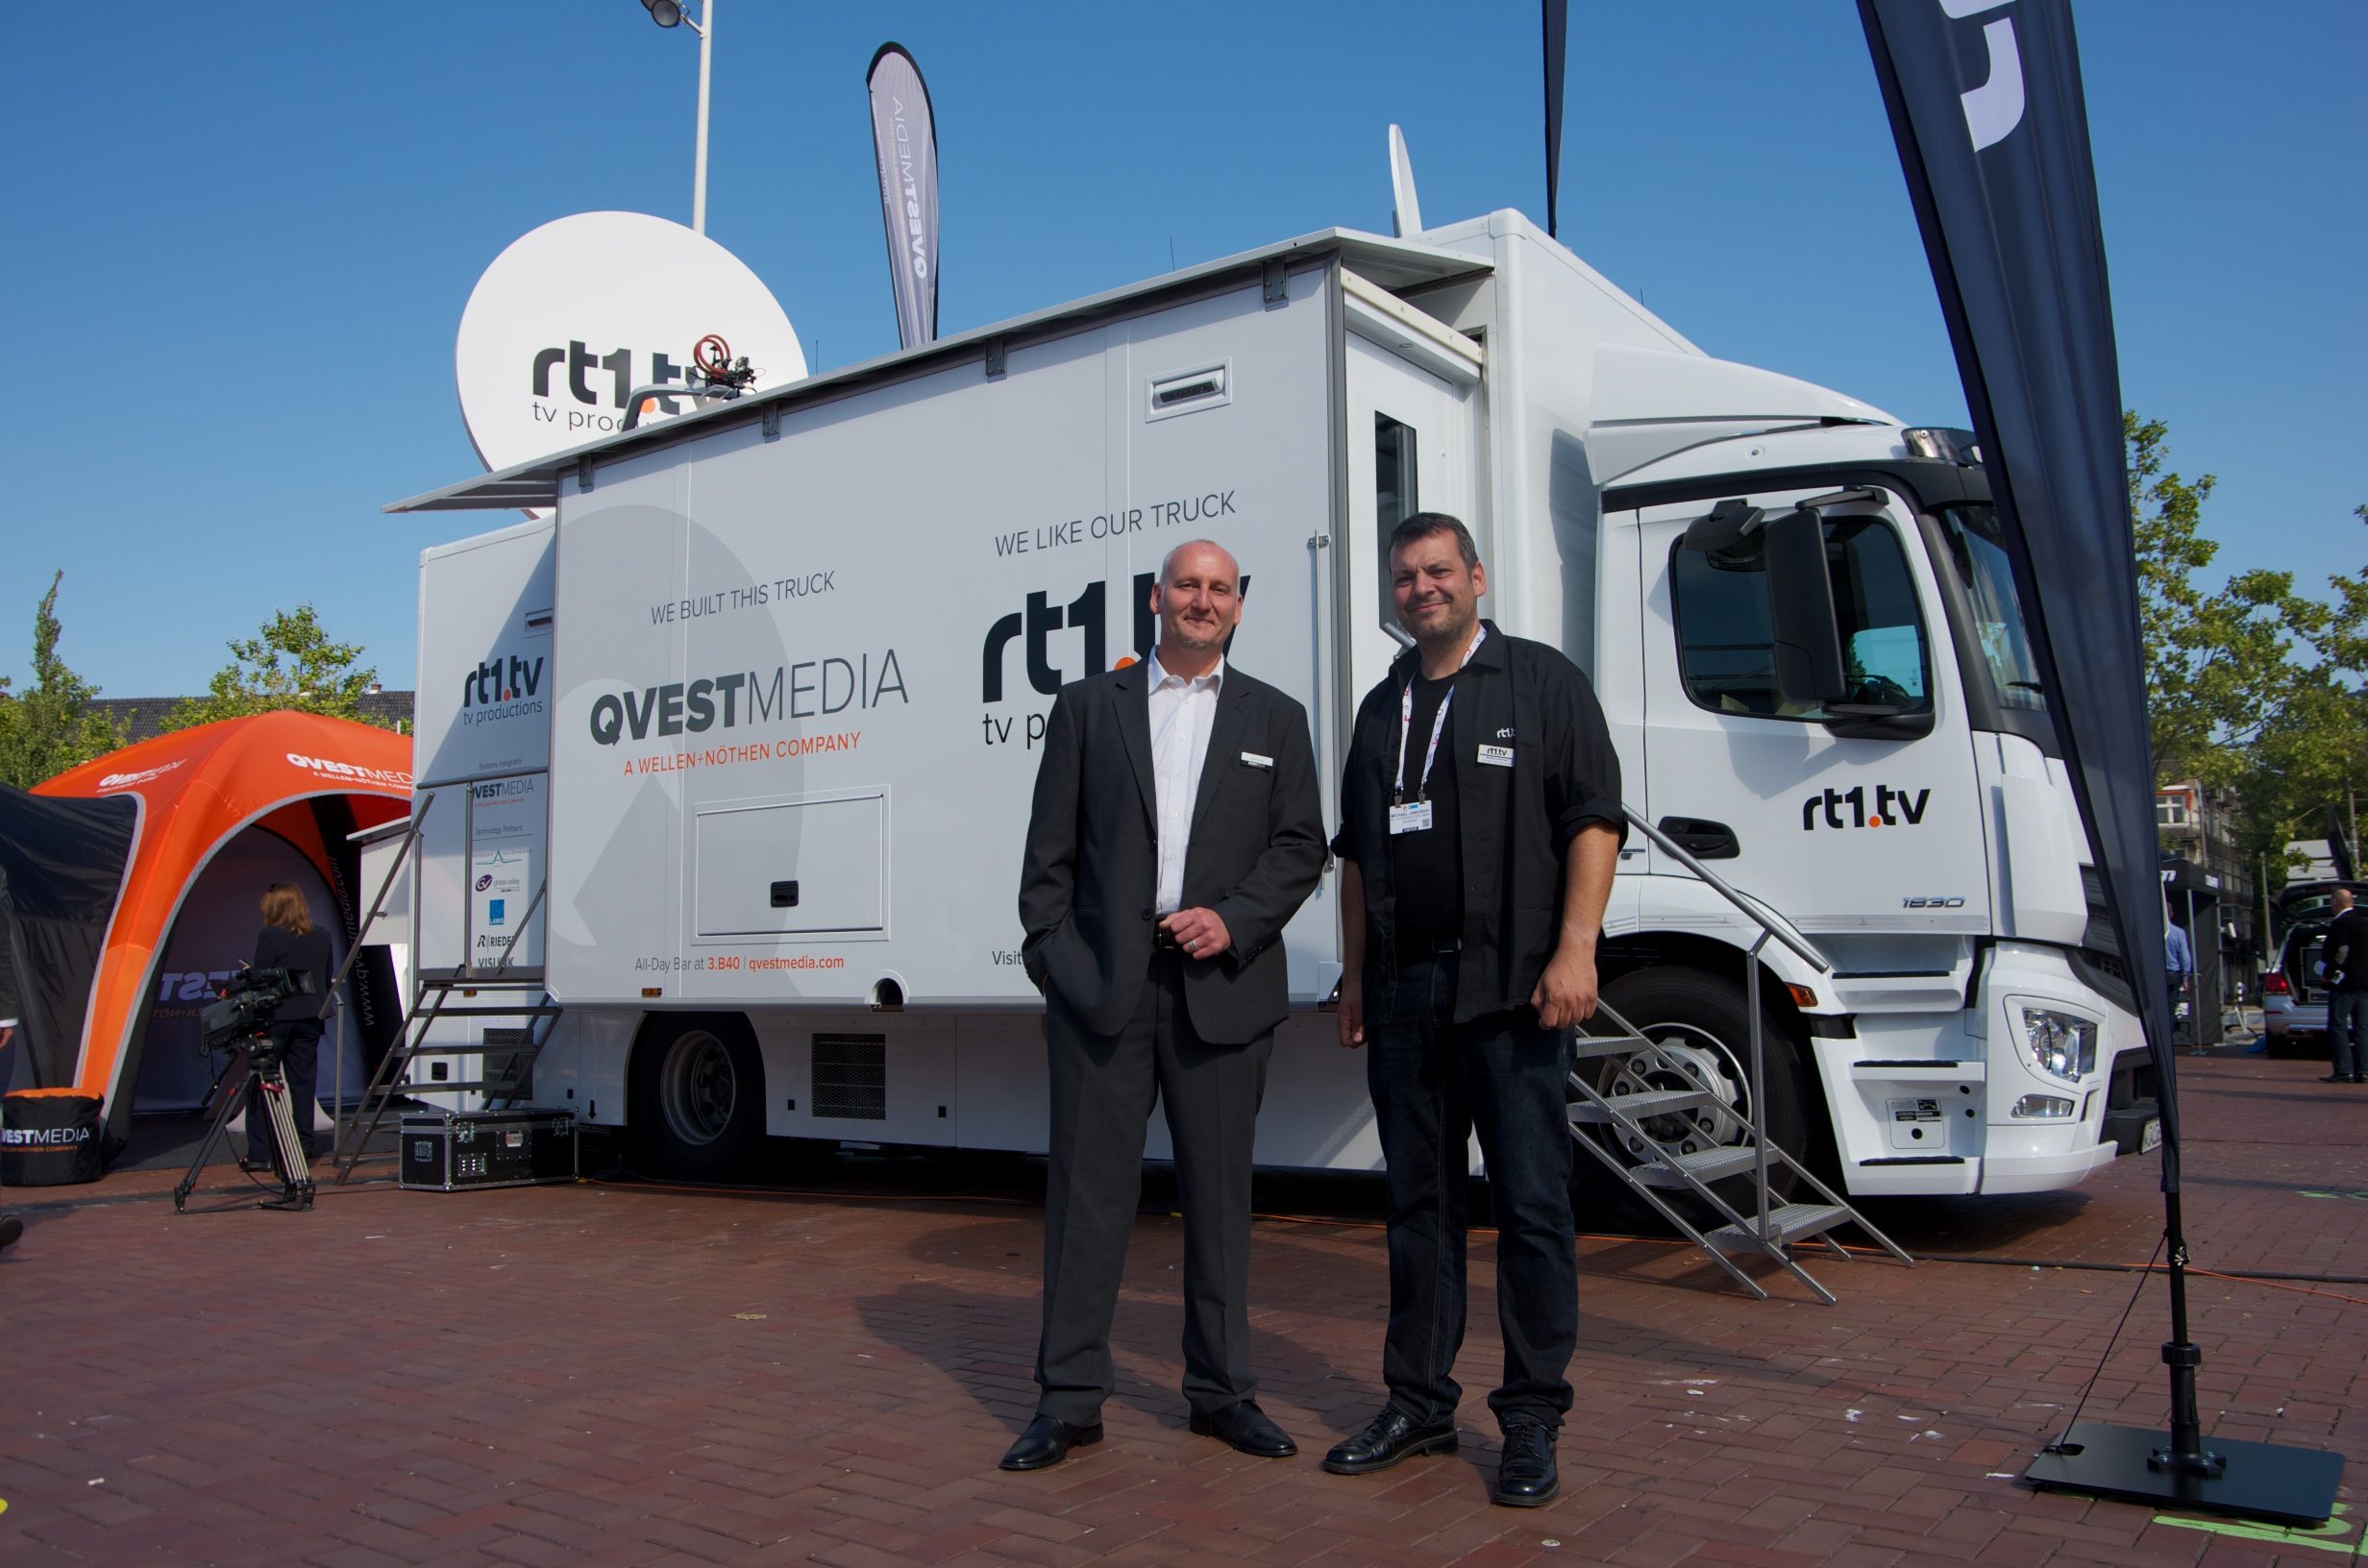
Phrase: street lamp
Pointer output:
(669, 14)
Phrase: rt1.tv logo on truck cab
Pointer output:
(1892, 808)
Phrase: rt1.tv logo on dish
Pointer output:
(565, 325)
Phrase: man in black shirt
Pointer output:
(1481, 828)
(2345, 955)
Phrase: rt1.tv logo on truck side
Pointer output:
(1088, 614)
(502, 687)
(1033, 628)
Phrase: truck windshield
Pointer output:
(1980, 556)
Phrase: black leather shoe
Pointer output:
(1525, 1473)
(1246, 1426)
(2338, 1078)
(1391, 1437)
(1046, 1442)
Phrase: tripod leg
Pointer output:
(294, 1170)
(232, 1098)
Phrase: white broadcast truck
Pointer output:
(735, 747)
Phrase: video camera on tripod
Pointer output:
(241, 1020)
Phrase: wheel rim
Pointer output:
(1689, 1057)
(697, 1089)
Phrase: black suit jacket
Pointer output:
(1092, 869)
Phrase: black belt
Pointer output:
(1413, 948)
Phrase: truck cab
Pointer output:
(1802, 622)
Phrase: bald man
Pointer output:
(1176, 830)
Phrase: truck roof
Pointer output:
(1395, 264)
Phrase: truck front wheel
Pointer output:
(1702, 1026)
(697, 1096)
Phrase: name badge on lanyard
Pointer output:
(1416, 816)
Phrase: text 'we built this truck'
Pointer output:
(734, 748)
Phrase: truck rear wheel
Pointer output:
(697, 1098)
(1702, 1025)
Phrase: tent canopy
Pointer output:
(62, 863)
(306, 778)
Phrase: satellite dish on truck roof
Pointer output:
(578, 313)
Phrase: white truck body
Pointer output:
(793, 655)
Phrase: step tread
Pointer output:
(1587, 1047)
(1703, 1166)
(1657, 1102)
(1791, 1222)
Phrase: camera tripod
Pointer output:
(257, 1064)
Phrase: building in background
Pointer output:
(2207, 879)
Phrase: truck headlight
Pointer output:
(2062, 1045)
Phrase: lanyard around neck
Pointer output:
(1438, 726)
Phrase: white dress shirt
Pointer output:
(1182, 714)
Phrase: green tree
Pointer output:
(2254, 683)
(290, 664)
(50, 725)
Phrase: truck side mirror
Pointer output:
(1801, 622)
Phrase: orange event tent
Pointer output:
(303, 777)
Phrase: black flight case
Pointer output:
(445, 1151)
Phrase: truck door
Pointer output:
(1409, 435)
(1858, 817)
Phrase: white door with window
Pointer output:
(1878, 830)
(1410, 440)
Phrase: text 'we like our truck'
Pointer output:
(735, 747)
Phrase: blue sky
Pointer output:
(239, 250)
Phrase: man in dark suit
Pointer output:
(1175, 829)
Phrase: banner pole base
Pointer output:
(2268, 1482)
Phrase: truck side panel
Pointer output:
(806, 678)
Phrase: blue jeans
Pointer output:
(2347, 1031)
(1434, 1083)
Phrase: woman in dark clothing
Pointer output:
(290, 941)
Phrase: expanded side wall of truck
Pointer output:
(805, 671)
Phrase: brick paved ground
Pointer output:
(615, 1375)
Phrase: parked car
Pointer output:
(2294, 995)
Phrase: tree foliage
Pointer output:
(50, 725)
(2252, 684)
(291, 663)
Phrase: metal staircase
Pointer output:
(507, 1055)
(1642, 1122)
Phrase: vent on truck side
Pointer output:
(851, 1076)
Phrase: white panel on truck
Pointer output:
(805, 866)
(481, 741)
(880, 602)
(485, 655)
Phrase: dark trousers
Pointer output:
(2347, 1031)
(1434, 1083)
(1103, 1089)
(299, 1043)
